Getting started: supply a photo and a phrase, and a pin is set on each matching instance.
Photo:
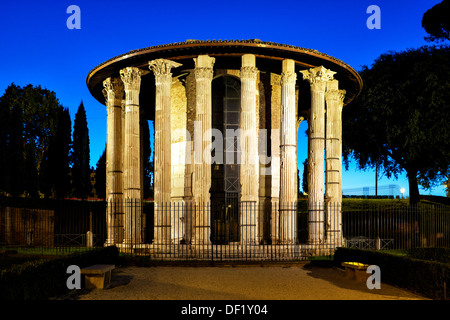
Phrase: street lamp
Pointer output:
(402, 191)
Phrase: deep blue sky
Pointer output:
(37, 48)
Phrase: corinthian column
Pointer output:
(318, 78)
(333, 180)
(162, 183)
(249, 173)
(113, 92)
(288, 154)
(131, 78)
(203, 73)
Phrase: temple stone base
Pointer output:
(230, 252)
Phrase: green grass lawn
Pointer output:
(397, 252)
(349, 204)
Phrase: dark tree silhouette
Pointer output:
(436, 22)
(81, 183)
(400, 120)
(100, 176)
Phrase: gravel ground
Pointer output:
(292, 282)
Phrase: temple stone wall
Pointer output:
(268, 101)
(178, 124)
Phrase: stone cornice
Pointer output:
(220, 49)
(223, 42)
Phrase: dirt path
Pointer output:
(295, 282)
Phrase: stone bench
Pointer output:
(97, 276)
(356, 270)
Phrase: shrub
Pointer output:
(434, 254)
(41, 279)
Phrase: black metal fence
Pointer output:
(56, 224)
(246, 231)
(394, 227)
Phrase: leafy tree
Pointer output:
(5, 125)
(400, 120)
(31, 131)
(63, 145)
(80, 155)
(16, 154)
(55, 169)
(31, 180)
(40, 111)
(436, 22)
(100, 176)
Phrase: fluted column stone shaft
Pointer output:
(113, 93)
(318, 78)
(249, 166)
(288, 154)
(333, 182)
(203, 73)
(162, 156)
(131, 78)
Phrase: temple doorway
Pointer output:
(225, 184)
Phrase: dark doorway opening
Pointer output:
(225, 171)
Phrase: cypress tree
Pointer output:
(81, 183)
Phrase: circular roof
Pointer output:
(228, 55)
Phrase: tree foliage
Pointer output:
(29, 122)
(16, 153)
(400, 120)
(436, 22)
(55, 180)
(81, 170)
(100, 176)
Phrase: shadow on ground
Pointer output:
(337, 277)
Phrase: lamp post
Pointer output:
(402, 191)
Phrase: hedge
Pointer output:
(434, 254)
(42, 279)
(421, 276)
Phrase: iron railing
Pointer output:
(223, 231)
